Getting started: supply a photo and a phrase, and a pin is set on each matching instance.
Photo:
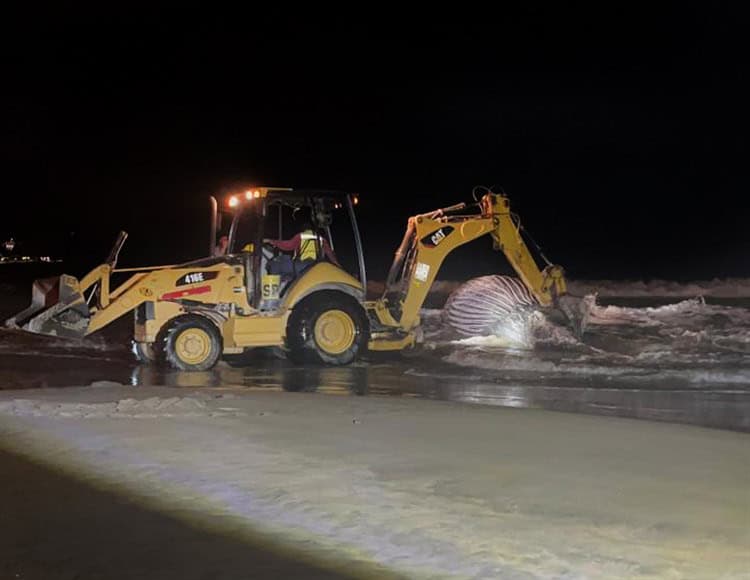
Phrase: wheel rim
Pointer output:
(193, 345)
(335, 331)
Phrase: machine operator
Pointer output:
(304, 248)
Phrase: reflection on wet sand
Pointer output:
(718, 408)
(267, 374)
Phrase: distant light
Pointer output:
(356, 199)
(256, 194)
(233, 201)
(248, 195)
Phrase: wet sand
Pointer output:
(418, 487)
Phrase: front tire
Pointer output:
(189, 343)
(327, 327)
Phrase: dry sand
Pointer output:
(235, 483)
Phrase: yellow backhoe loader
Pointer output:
(249, 294)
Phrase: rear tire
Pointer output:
(189, 343)
(327, 327)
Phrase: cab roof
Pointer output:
(284, 194)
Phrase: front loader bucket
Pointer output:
(57, 308)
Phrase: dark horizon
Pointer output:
(618, 137)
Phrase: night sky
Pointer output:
(620, 136)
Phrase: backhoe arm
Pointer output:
(547, 284)
(431, 237)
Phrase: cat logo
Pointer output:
(432, 240)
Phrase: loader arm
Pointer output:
(431, 237)
(80, 318)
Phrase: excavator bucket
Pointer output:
(576, 311)
(57, 308)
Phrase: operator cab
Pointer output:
(279, 234)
